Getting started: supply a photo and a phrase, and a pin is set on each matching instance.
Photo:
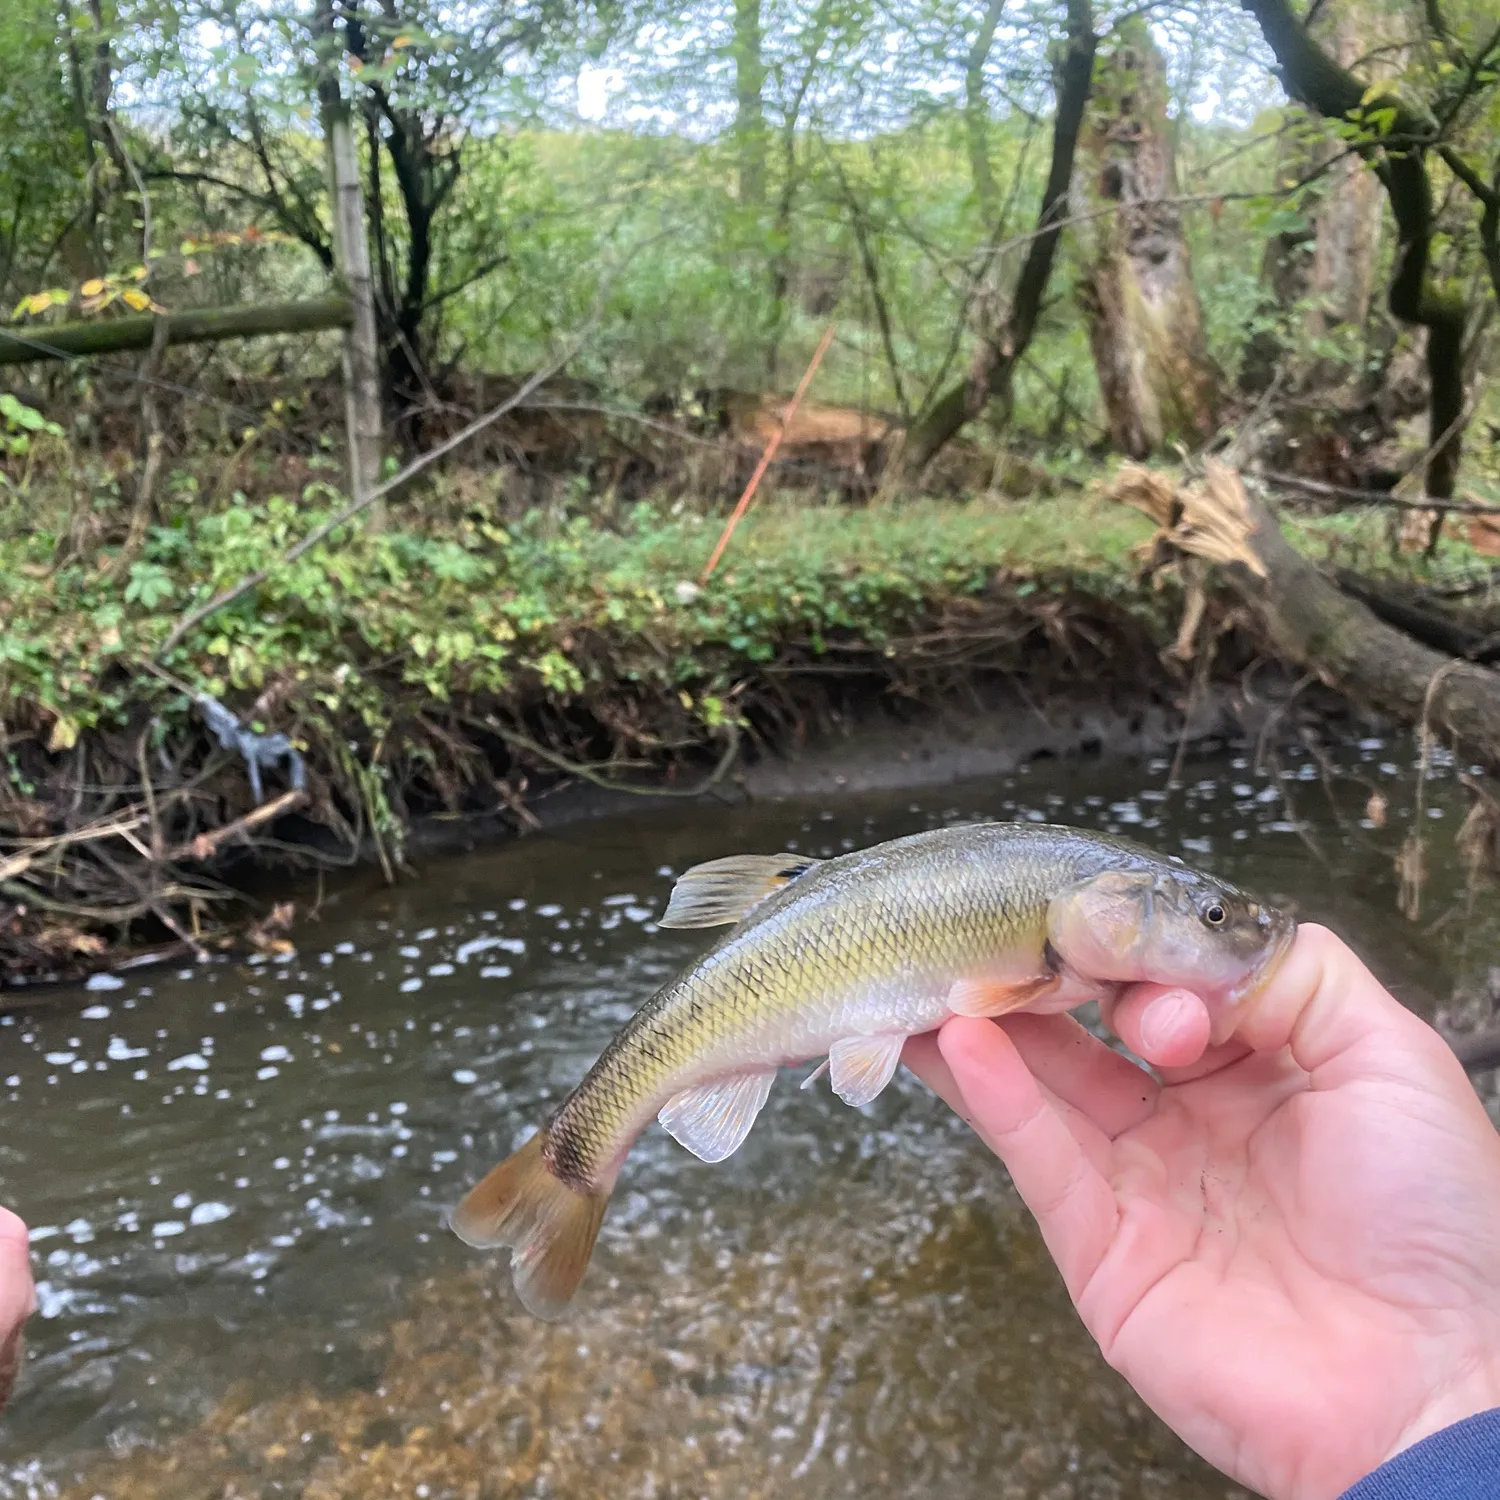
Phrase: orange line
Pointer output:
(768, 455)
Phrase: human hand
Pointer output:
(17, 1297)
(1290, 1244)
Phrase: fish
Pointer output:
(844, 959)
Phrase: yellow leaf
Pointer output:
(92, 287)
(137, 273)
(137, 299)
(64, 734)
(397, 43)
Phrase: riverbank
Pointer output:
(464, 666)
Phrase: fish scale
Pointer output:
(853, 954)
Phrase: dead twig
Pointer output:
(1376, 497)
(206, 845)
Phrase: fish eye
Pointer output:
(1215, 915)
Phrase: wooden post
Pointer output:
(352, 253)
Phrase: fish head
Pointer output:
(1170, 926)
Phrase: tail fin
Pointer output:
(549, 1226)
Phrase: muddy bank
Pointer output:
(251, 876)
(146, 835)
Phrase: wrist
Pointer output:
(1470, 1391)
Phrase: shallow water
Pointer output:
(236, 1174)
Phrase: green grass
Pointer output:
(460, 603)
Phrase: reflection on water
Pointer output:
(236, 1174)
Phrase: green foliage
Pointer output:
(20, 427)
(548, 604)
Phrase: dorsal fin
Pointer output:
(726, 890)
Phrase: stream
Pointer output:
(236, 1173)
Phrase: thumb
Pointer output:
(1321, 1002)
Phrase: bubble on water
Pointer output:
(427, 934)
(120, 1050)
(60, 1059)
(466, 951)
(639, 913)
(625, 900)
(209, 1213)
(104, 982)
(465, 1075)
(192, 1060)
(269, 1071)
(440, 971)
(95, 1013)
(409, 985)
(277, 1053)
(182, 1200)
(295, 1004)
(398, 1108)
(495, 971)
(345, 948)
(551, 909)
(517, 904)
(167, 1228)
(409, 952)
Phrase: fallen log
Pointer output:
(36, 341)
(1306, 620)
(1438, 631)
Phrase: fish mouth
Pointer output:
(1260, 976)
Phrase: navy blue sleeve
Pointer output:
(1460, 1463)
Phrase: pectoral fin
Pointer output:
(859, 1067)
(713, 1119)
(725, 890)
(987, 997)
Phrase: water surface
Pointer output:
(236, 1174)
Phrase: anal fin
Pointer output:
(988, 997)
(859, 1067)
(713, 1119)
(726, 890)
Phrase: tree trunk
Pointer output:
(1346, 221)
(361, 346)
(750, 113)
(1145, 324)
(1329, 262)
(1309, 622)
(20, 346)
(977, 113)
(1001, 347)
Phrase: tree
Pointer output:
(1145, 324)
(1400, 136)
(977, 113)
(422, 75)
(1002, 344)
(750, 109)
